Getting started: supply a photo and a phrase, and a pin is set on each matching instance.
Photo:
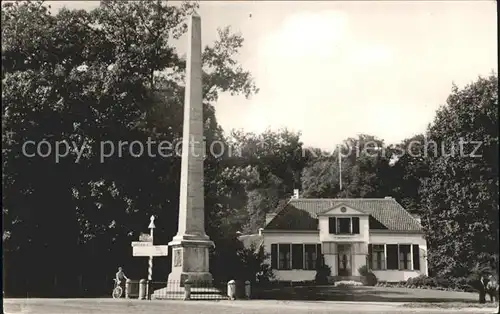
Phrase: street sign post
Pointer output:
(144, 247)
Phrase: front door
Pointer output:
(344, 259)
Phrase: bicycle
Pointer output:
(117, 290)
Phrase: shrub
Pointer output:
(430, 282)
(323, 271)
(322, 274)
(369, 277)
(253, 265)
(443, 282)
(419, 281)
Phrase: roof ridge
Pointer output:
(278, 211)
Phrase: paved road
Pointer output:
(110, 306)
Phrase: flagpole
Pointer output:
(340, 169)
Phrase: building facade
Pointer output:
(348, 233)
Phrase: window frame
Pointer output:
(335, 229)
(381, 260)
(289, 262)
(408, 256)
(407, 259)
(338, 226)
(313, 260)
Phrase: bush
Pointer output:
(369, 277)
(253, 265)
(430, 282)
(418, 282)
(323, 271)
(382, 283)
(443, 282)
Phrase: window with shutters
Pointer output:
(284, 256)
(377, 257)
(344, 225)
(310, 256)
(404, 256)
(399, 256)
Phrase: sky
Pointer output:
(335, 69)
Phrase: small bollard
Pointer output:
(187, 289)
(142, 289)
(128, 288)
(231, 289)
(247, 289)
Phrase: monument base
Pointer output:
(197, 279)
(190, 261)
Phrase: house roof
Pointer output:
(302, 213)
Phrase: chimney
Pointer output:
(388, 198)
(295, 194)
(269, 217)
(417, 218)
(260, 231)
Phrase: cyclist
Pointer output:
(120, 278)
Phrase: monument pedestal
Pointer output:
(190, 260)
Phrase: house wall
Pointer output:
(358, 260)
(401, 275)
(292, 238)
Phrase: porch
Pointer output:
(345, 258)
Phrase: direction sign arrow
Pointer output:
(152, 223)
(156, 250)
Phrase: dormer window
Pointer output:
(344, 225)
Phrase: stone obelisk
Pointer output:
(190, 247)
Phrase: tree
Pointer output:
(362, 159)
(268, 167)
(111, 74)
(460, 196)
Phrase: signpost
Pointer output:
(151, 250)
(145, 247)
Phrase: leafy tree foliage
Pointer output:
(460, 195)
(111, 74)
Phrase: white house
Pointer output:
(349, 233)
